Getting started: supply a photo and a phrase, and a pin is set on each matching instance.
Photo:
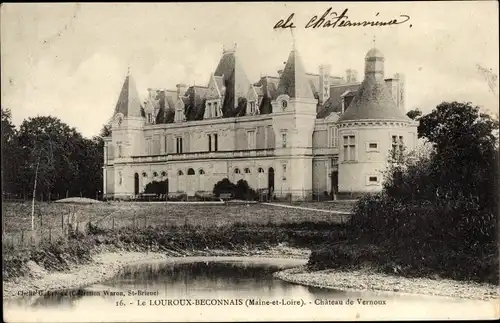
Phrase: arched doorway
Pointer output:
(136, 184)
(335, 182)
(270, 182)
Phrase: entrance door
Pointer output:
(335, 182)
(136, 184)
(270, 182)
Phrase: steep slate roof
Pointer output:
(333, 103)
(171, 98)
(294, 81)
(194, 102)
(234, 79)
(128, 102)
(220, 82)
(373, 100)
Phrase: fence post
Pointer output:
(62, 221)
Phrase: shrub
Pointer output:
(241, 190)
(224, 186)
(155, 187)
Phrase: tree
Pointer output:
(10, 154)
(414, 114)
(105, 131)
(465, 160)
(67, 163)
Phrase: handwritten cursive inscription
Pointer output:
(331, 19)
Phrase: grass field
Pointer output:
(17, 215)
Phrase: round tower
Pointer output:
(371, 128)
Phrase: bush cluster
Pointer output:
(241, 190)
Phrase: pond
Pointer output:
(224, 289)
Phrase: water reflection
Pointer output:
(212, 279)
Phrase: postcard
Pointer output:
(239, 161)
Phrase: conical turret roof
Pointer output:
(294, 81)
(373, 100)
(129, 103)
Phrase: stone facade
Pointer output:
(297, 134)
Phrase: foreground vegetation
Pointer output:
(237, 236)
(437, 214)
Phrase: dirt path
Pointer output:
(307, 208)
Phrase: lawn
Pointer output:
(16, 215)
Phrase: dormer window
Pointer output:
(284, 105)
(251, 107)
(212, 109)
(209, 108)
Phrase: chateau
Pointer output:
(295, 134)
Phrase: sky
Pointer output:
(69, 60)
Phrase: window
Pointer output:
(252, 107)
(179, 145)
(155, 174)
(215, 109)
(284, 104)
(190, 171)
(209, 142)
(120, 176)
(148, 146)
(251, 139)
(163, 174)
(144, 174)
(120, 151)
(335, 162)
(215, 142)
(397, 146)
(347, 102)
(372, 145)
(372, 180)
(261, 170)
(247, 170)
(284, 172)
(150, 118)
(334, 136)
(202, 172)
(209, 108)
(180, 173)
(349, 148)
(165, 144)
(237, 171)
(283, 139)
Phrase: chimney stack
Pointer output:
(324, 83)
(181, 90)
(351, 76)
